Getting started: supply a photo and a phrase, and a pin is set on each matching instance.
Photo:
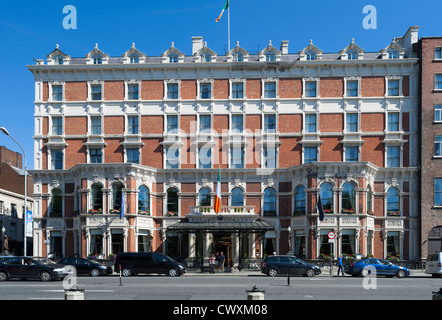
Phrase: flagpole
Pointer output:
(228, 25)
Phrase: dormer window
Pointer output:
(173, 58)
(393, 54)
(206, 57)
(133, 56)
(134, 59)
(97, 59)
(58, 60)
(352, 55)
(270, 56)
(96, 56)
(310, 56)
(238, 57)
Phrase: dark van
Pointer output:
(133, 263)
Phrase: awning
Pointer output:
(257, 226)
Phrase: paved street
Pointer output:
(228, 286)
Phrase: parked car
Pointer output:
(383, 268)
(274, 265)
(147, 262)
(26, 267)
(86, 266)
(434, 264)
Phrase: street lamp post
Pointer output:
(2, 129)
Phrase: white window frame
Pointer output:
(352, 146)
(89, 90)
(358, 124)
(436, 50)
(236, 80)
(269, 80)
(126, 89)
(310, 146)
(166, 91)
(304, 81)
(352, 79)
(127, 123)
(435, 75)
(204, 81)
(438, 109)
(387, 81)
(57, 83)
(50, 155)
(132, 148)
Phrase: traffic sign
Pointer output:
(331, 235)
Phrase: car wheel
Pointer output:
(365, 272)
(126, 272)
(3, 276)
(173, 272)
(273, 272)
(310, 273)
(401, 274)
(95, 272)
(45, 276)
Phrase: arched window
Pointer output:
(393, 202)
(326, 194)
(269, 202)
(172, 201)
(348, 198)
(117, 195)
(237, 198)
(56, 203)
(299, 201)
(143, 200)
(204, 198)
(97, 197)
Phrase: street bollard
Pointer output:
(437, 295)
(255, 294)
(74, 294)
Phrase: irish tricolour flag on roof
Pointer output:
(226, 6)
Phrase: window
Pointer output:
(438, 113)
(438, 192)
(133, 155)
(237, 157)
(393, 54)
(56, 203)
(96, 155)
(237, 90)
(143, 200)
(57, 159)
(96, 92)
(96, 125)
(326, 194)
(172, 158)
(270, 56)
(269, 156)
(299, 201)
(393, 121)
(310, 55)
(57, 126)
(393, 243)
(392, 200)
(352, 154)
(205, 90)
(205, 157)
(132, 124)
(310, 123)
(172, 201)
(270, 123)
(204, 199)
(117, 195)
(352, 88)
(238, 57)
(237, 123)
(393, 88)
(172, 124)
(97, 59)
(59, 60)
(172, 91)
(269, 90)
(206, 57)
(97, 196)
(310, 89)
(352, 122)
(269, 202)
(369, 199)
(348, 197)
(237, 199)
(132, 91)
(133, 59)
(438, 82)
(352, 55)
(57, 92)
(310, 154)
(438, 145)
(205, 124)
(437, 53)
(173, 58)
(393, 157)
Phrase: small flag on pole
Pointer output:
(226, 6)
(320, 209)
(123, 205)
(218, 193)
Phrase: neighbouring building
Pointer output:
(281, 128)
(12, 195)
(430, 49)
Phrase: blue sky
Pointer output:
(31, 29)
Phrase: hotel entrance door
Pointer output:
(223, 243)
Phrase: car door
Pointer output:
(29, 268)
(297, 267)
(160, 262)
(82, 266)
(12, 267)
(387, 267)
(283, 264)
(144, 263)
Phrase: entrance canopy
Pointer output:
(220, 226)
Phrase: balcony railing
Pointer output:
(228, 210)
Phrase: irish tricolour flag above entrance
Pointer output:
(218, 193)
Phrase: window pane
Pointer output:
(270, 202)
(237, 157)
(438, 145)
(393, 200)
(352, 122)
(133, 91)
(172, 91)
(310, 88)
(310, 154)
(205, 157)
(96, 125)
(57, 126)
(352, 88)
(270, 90)
(205, 91)
(143, 199)
(237, 90)
(205, 124)
(57, 159)
(326, 194)
(269, 123)
(172, 124)
(269, 155)
(172, 158)
(438, 192)
(96, 155)
(57, 93)
(204, 199)
(438, 112)
(132, 125)
(438, 82)
(310, 123)
(96, 92)
(438, 53)
(237, 123)
(393, 121)
(237, 197)
(393, 157)
(351, 154)
(393, 88)
(133, 156)
(300, 200)
(348, 197)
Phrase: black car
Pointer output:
(147, 262)
(274, 265)
(28, 268)
(86, 266)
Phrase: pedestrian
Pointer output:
(212, 263)
(222, 260)
(340, 267)
(217, 261)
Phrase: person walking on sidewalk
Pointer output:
(222, 260)
(212, 263)
(340, 266)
